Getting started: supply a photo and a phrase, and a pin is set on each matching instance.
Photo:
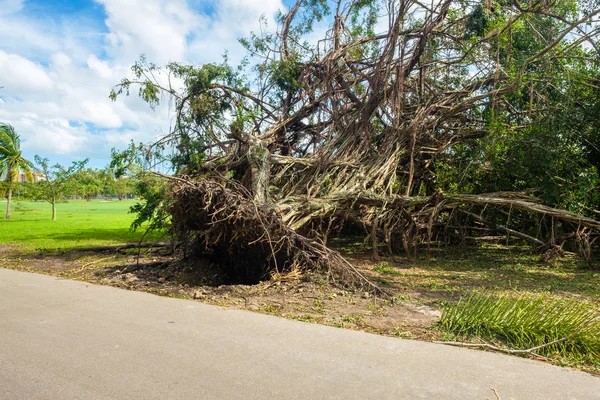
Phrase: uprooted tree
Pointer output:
(351, 130)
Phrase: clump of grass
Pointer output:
(529, 321)
(20, 207)
(384, 268)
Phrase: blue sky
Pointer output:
(59, 59)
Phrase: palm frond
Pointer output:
(27, 168)
(12, 162)
(529, 321)
(4, 151)
(9, 140)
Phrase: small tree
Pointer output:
(11, 161)
(56, 179)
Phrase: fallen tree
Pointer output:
(346, 130)
(250, 240)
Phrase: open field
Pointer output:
(78, 224)
(420, 289)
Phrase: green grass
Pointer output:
(528, 321)
(384, 268)
(78, 224)
(497, 268)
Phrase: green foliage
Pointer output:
(128, 161)
(286, 74)
(477, 22)
(21, 190)
(148, 90)
(86, 183)
(152, 211)
(363, 18)
(535, 157)
(130, 177)
(546, 139)
(91, 183)
(529, 321)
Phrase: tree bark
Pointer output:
(53, 210)
(8, 203)
(260, 171)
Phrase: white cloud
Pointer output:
(57, 71)
(61, 60)
(156, 28)
(232, 19)
(10, 6)
(19, 75)
(101, 68)
(29, 38)
(100, 114)
(41, 134)
(57, 134)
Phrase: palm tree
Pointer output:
(11, 162)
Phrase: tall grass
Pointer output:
(528, 321)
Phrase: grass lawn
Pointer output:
(78, 224)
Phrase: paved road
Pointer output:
(63, 339)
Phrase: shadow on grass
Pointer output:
(92, 235)
(451, 272)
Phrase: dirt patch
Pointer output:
(52, 265)
(307, 297)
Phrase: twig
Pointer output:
(496, 394)
(508, 351)
(92, 263)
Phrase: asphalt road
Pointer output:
(62, 339)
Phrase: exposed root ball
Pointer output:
(249, 241)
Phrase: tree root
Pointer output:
(249, 240)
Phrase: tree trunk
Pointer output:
(8, 203)
(260, 171)
(53, 210)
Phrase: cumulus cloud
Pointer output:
(156, 28)
(57, 71)
(21, 76)
(231, 20)
(101, 68)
